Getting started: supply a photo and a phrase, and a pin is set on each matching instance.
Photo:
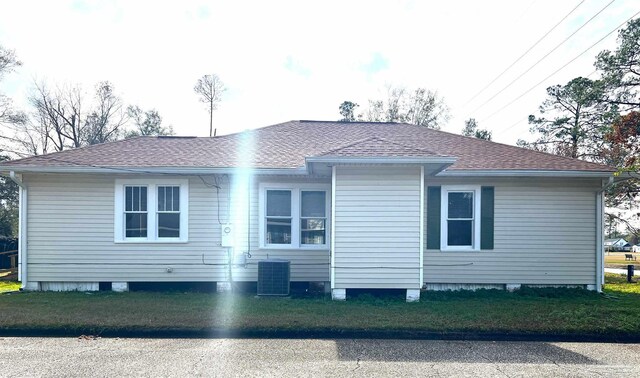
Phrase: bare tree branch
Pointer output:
(210, 88)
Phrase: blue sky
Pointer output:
(285, 60)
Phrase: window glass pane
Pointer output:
(459, 232)
(143, 198)
(461, 205)
(176, 198)
(279, 203)
(312, 231)
(313, 204)
(136, 198)
(278, 231)
(128, 200)
(168, 198)
(136, 225)
(168, 225)
(161, 199)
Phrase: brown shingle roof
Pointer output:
(377, 147)
(287, 144)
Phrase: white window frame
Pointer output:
(444, 215)
(296, 199)
(152, 210)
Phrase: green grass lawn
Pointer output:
(566, 311)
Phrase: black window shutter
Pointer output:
(486, 217)
(433, 217)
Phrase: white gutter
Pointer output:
(155, 170)
(305, 171)
(380, 160)
(17, 180)
(22, 228)
(522, 173)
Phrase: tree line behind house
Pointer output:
(597, 120)
(66, 116)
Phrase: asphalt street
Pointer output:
(111, 357)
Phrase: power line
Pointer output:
(525, 53)
(561, 68)
(527, 118)
(543, 58)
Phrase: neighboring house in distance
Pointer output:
(635, 248)
(615, 245)
(354, 205)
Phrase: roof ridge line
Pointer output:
(410, 147)
(345, 146)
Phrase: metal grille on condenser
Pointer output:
(273, 277)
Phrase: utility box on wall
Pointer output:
(227, 235)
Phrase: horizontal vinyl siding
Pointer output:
(306, 265)
(545, 233)
(377, 224)
(71, 235)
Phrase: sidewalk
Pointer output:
(616, 270)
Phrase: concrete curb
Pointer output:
(323, 334)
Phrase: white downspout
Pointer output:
(333, 227)
(22, 228)
(600, 234)
(421, 247)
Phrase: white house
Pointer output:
(355, 205)
(615, 244)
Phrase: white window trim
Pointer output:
(444, 214)
(295, 215)
(152, 210)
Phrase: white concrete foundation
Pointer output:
(512, 287)
(69, 286)
(339, 294)
(120, 286)
(592, 287)
(31, 286)
(223, 287)
(413, 295)
(464, 286)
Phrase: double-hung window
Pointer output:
(294, 216)
(460, 208)
(168, 211)
(135, 211)
(151, 211)
(313, 217)
(279, 217)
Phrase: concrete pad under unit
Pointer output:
(223, 287)
(120, 286)
(513, 287)
(413, 295)
(339, 294)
